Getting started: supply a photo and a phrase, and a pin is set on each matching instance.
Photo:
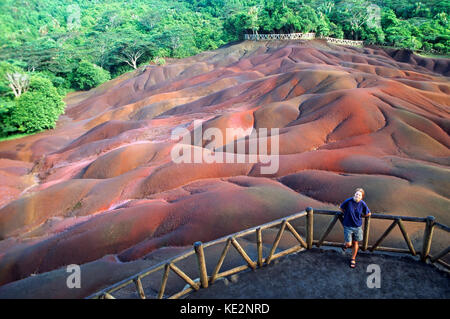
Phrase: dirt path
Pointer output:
(320, 273)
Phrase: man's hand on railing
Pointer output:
(368, 215)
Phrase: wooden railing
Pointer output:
(343, 41)
(300, 36)
(285, 224)
(280, 36)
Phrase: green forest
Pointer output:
(51, 47)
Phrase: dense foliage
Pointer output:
(88, 75)
(55, 35)
(79, 44)
(35, 110)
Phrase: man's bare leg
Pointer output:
(346, 245)
(355, 249)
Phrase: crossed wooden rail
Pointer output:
(285, 225)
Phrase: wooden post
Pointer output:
(328, 230)
(406, 237)
(309, 227)
(276, 242)
(388, 230)
(259, 246)
(220, 262)
(198, 247)
(183, 276)
(366, 233)
(296, 235)
(164, 281)
(427, 237)
(139, 288)
(242, 252)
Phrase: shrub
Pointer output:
(38, 108)
(159, 60)
(6, 127)
(427, 46)
(440, 47)
(61, 84)
(88, 75)
(336, 31)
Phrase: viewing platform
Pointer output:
(285, 264)
(324, 273)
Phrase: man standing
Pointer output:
(354, 208)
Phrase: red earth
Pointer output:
(104, 182)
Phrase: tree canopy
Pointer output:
(55, 35)
(79, 44)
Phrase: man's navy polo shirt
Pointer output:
(353, 212)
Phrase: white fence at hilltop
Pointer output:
(300, 36)
(281, 36)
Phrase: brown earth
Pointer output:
(103, 182)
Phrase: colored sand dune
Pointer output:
(102, 186)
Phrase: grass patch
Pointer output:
(77, 206)
(14, 136)
(432, 55)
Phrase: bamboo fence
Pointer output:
(285, 225)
